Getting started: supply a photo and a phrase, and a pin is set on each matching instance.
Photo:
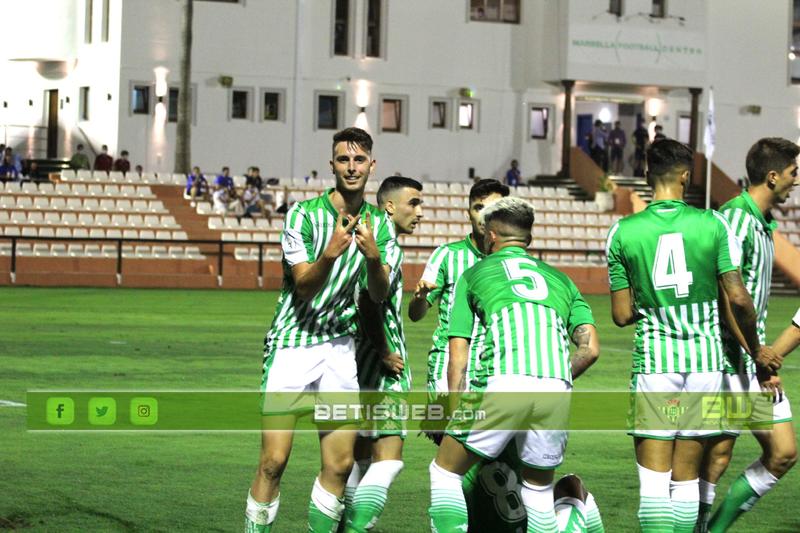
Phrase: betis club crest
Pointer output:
(673, 410)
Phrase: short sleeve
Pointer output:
(384, 236)
(461, 316)
(435, 273)
(796, 319)
(729, 250)
(297, 237)
(617, 275)
(579, 313)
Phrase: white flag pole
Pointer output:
(709, 139)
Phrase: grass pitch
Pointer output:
(122, 339)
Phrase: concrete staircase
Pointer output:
(195, 226)
(545, 180)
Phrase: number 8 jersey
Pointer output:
(670, 256)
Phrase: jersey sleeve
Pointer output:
(461, 316)
(796, 319)
(579, 313)
(384, 236)
(297, 239)
(617, 275)
(435, 273)
(729, 250)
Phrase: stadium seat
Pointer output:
(74, 250)
(228, 236)
(175, 252)
(135, 221)
(86, 219)
(247, 223)
(29, 231)
(147, 234)
(97, 233)
(7, 202)
(113, 234)
(80, 233)
(116, 176)
(47, 232)
(24, 202)
(95, 190)
(148, 177)
(18, 217)
(11, 231)
(3, 217)
(159, 252)
(144, 191)
(260, 237)
(63, 189)
(68, 175)
(215, 223)
(47, 188)
(124, 205)
(244, 236)
(119, 220)
(180, 236)
(91, 204)
(204, 208)
(129, 191)
(142, 251)
(168, 221)
(163, 235)
(79, 189)
(63, 232)
(109, 250)
(127, 251)
(74, 204)
(157, 206)
(140, 206)
(152, 221)
(40, 249)
(242, 254)
(111, 190)
(130, 234)
(193, 252)
(102, 219)
(92, 250)
(24, 249)
(263, 223)
(57, 203)
(29, 187)
(58, 249)
(35, 217)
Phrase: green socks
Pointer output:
(369, 498)
(742, 496)
(324, 510)
(655, 504)
(260, 516)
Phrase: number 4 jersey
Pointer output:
(670, 256)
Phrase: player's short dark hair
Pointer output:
(667, 155)
(767, 155)
(395, 183)
(484, 188)
(511, 211)
(355, 136)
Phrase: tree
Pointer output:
(183, 137)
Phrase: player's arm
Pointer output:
(377, 272)
(622, 311)
(744, 315)
(419, 305)
(789, 339)
(429, 287)
(588, 349)
(729, 321)
(309, 278)
(457, 369)
(371, 316)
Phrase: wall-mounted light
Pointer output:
(654, 106)
(466, 92)
(792, 53)
(362, 94)
(604, 115)
(161, 80)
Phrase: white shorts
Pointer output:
(325, 367)
(748, 383)
(659, 410)
(538, 448)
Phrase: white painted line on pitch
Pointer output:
(118, 342)
(9, 403)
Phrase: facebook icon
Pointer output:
(60, 411)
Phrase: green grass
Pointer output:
(154, 339)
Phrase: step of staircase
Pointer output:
(195, 226)
(575, 190)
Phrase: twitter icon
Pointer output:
(102, 411)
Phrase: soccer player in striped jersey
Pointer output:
(664, 266)
(529, 311)
(326, 243)
(382, 366)
(772, 172)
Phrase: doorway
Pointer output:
(52, 123)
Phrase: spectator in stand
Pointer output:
(139, 170)
(224, 180)
(103, 161)
(659, 133)
(33, 173)
(288, 202)
(600, 145)
(196, 186)
(226, 202)
(640, 140)
(253, 204)
(311, 178)
(8, 172)
(79, 160)
(513, 175)
(16, 159)
(122, 164)
(253, 178)
(617, 141)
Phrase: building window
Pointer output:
(272, 108)
(83, 104)
(794, 44)
(393, 114)
(467, 115)
(615, 7)
(494, 11)
(328, 110)
(659, 9)
(439, 116)
(341, 28)
(374, 28)
(140, 100)
(539, 122)
(241, 100)
(172, 104)
(87, 29)
(106, 20)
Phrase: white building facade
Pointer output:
(447, 88)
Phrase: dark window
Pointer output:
(84, 104)
(239, 104)
(374, 28)
(615, 7)
(494, 11)
(106, 20)
(794, 45)
(439, 114)
(172, 104)
(87, 35)
(540, 118)
(659, 9)
(140, 100)
(272, 106)
(341, 28)
(327, 112)
(392, 115)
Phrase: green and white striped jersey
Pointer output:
(371, 372)
(332, 312)
(670, 256)
(796, 318)
(754, 234)
(529, 310)
(446, 265)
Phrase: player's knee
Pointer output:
(272, 465)
(338, 466)
(782, 459)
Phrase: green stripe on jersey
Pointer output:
(445, 266)
(331, 313)
(670, 256)
(754, 235)
(371, 374)
(529, 310)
